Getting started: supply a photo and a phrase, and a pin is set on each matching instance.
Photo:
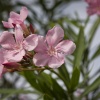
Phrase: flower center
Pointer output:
(17, 46)
(51, 51)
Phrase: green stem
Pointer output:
(31, 69)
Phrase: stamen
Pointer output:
(51, 51)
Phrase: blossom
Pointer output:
(51, 49)
(5, 64)
(16, 45)
(16, 18)
(93, 7)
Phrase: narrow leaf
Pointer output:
(80, 45)
(47, 97)
(31, 78)
(75, 79)
(97, 53)
(93, 29)
(64, 72)
(91, 87)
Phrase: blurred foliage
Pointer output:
(47, 87)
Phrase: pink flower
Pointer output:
(16, 44)
(5, 64)
(51, 50)
(16, 18)
(93, 7)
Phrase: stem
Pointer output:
(24, 69)
(32, 69)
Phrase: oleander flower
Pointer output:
(93, 7)
(5, 64)
(51, 49)
(16, 18)
(16, 44)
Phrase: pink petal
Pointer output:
(90, 12)
(1, 69)
(15, 18)
(30, 42)
(54, 36)
(40, 59)
(15, 55)
(10, 20)
(18, 35)
(42, 46)
(14, 15)
(93, 7)
(7, 40)
(67, 47)
(56, 62)
(1, 56)
(7, 24)
(23, 13)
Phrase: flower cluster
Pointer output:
(93, 7)
(22, 47)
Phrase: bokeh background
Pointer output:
(43, 15)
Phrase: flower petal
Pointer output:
(42, 46)
(7, 24)
(30, 42)
(1, 69)
(14, 15)
(41, 59)
(54, 36)
(66, 47)
(7, 40)
(15, 18)
(1, 56)
(56, 62)
(15, 55)
(23, 13)
(18, 35)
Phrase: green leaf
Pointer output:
(93, 29)
(62, 78)
(41, 82)
(63, 71)
(81, 85)
(97, 53)
(87, 20)
(80, 45)
(72, 22)
(58, 91)
(31, 78)
(97, 97)
(10, 92)
(91, 87)
(13, 91)
(47, 97)
(74, 79)
(71, 33)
